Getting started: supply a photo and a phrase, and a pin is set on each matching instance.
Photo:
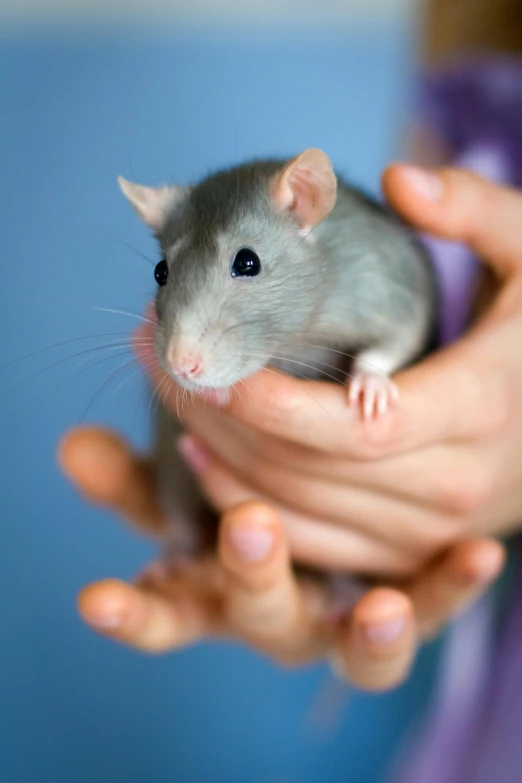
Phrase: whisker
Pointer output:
(146, 388)
(124, 312)
(115, 347)
(334, 367)
(303, 364)
(137, 375)
(150, 411)
(66, 382)
(61, 344)
(326, 348)
(162, 397)
(167, 391)
(100, 386)
(156, 396)
(130, 247)
(88, 351)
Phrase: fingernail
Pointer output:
(385, 632)
(194, 454)
(107, 621)
(426, 184)
(486, 575)
(252, 544)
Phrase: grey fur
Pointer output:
(360, 281)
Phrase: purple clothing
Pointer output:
(478, 101)
(476, 109)
(472, 734)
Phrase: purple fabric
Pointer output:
(441, 749)
(498, 746)
(476, 110)
(478, 101)
(472, 733)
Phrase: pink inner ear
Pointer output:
(308, 187)
(306, 191)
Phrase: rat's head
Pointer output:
(240, 270)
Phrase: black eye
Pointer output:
(245, 264)
(161, 272)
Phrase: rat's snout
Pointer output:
(186, 361)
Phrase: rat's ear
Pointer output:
(152, 204)
(306, 187)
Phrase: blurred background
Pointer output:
(159, 91)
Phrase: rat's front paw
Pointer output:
(375, 391)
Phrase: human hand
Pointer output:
(248, 592)
(382, 498)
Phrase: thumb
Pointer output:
(458, 205)
(463, 381)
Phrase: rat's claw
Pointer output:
(354, 389)
(368, 400)
(375, 391)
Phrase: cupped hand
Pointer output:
(248, 591)
(445, 463)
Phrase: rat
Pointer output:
(281, 263)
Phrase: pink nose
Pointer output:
(187, 364)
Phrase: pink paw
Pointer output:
(376, 392)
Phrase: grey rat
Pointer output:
(277, 262)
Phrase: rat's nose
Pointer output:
(186, 363)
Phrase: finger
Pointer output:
(457, 580)
(459, 205)
(448, 395)
(264, 604)
(140, 618)
(107, 473)
(311, 541)
(451, 480)
(375, 649)
(365, 497)
(452, 395)
(414, 528)
(315, 415)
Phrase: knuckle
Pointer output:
(439, 537)
(471, 195)
(272, 409)
(252, 468)
(403, 566)
(498, 409)
(378, 441)
(467, 492)
(503, 406)
(258, 617)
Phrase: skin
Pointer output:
(403, 500)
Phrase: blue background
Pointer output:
(77, 109)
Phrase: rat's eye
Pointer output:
(161, 272)
(245, 264)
